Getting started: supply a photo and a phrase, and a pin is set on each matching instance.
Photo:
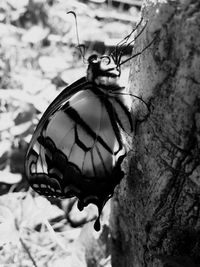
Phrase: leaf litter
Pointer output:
(38, 58)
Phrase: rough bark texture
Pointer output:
(156, 210)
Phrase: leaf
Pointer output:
(9, 178)
(35, 35)
(60, 262)
(8, 230)
(22, 129)
(52, 64)
(39, 209)
(18, 4)
(6, 121)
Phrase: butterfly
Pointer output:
(77, 148)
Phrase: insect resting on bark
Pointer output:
(77, 148)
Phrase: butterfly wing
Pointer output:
(77, 149)
(56, 104)
(121, 105)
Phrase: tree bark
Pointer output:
(156, 210)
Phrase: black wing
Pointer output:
(77, 149)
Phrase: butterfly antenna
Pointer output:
(128, 45)
(79, 46)
(114, 52)
(139, 53)
(135, 38)
(125, 40)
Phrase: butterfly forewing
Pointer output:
(121, 104)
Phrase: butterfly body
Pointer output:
(77, 147)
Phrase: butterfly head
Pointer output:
(102, 70)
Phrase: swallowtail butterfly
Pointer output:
(77, 148)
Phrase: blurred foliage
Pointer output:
(38, 58)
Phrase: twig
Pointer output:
(28, 252)
(53, 235)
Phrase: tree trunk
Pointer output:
(156, 210)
